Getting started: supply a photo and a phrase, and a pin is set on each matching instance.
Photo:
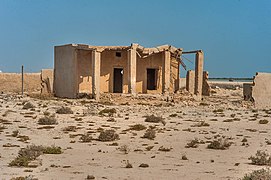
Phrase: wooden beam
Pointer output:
(191, 52)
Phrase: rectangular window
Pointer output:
(118, 54)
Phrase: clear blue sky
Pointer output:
(235, 35)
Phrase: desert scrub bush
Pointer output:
(137, 127)
(124, 148)
(85, 138)
(194, 143)
(108, 135)
(162, 148)
(201, 124)
(218, 111)
(263, 121)
(173, 115)
(149, 134)
(220, 144)
(30, 153)
(52, 150)
(261, 174)
(261, 158)
(15, 133)
(64, 110)
(108, 111)
(154, 119)
(47, 120)
(69, 129)
(28, 105)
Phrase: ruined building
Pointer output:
(85, 69)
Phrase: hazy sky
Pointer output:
(235, 35)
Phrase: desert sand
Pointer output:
(222, 115)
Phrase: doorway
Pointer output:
(151, 79)
(118, 80)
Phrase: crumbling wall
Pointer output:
(12, 82)
(47, 80)
(206, 89)
(84, 71)
(174, 75)
(190, 81)
(247, 91)
(261, 90)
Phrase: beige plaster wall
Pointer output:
(84, 71)
(65, 67)
(12, 83)
(261, 90)
(109, 61)
(153, 61)
(174, 75)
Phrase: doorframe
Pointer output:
(113, 79)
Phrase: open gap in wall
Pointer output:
(151, 79)
(118, 80)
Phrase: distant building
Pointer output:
(85, 69)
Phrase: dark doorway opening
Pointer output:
(117, 80)
(151, 79)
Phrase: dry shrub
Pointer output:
(85, 138)
(108, 111)
(220, 144)
(154, 119)
(31, 152)
(194, 143)
(261, 174)
(137, 127)
(149, 134)
(64, 110)
(263, 121)
(261, 158)
(28, 105)
(47, 120)
(69, 129)
(108, 135)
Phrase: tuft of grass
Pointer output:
(108, 111)
(184, 157)
(28, 105)
(47, 120)
(220, 144)
(108, 135)
(149, 134)
(64, 110)
(261, 174)
(263, 121)
(137, 127)
(261, 158)
(173, 115)
(154, 119)
(128, 165)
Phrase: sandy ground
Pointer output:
(238, 120)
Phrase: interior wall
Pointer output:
(153, 61)
(84, 71)
(109, 61)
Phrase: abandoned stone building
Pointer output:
(85, 69)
